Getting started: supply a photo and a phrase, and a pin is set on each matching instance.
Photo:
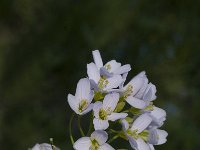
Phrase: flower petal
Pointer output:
(150, 92)
(96, 108)
(158, 115)
(142, 90)
(137, 103)
(151, 147)
(141, 145)
(123, 69)
(113, 82)
(141, 123)
(116, 116)
(100, 124)
(83, 143)
(73, 103)
(83, 90)
(100, 136)
(113, 65)
(136, 82)
(93, 72)
(162, 135)
(36, 147)
(105, 72)
(110, 101)
(125, 124)
(88, 109)
(97, 58)
(106, 147)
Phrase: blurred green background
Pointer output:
(45, 46)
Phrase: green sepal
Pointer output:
(129, 119)
(135, 111)
(144, 135)
(98, 95)
(119, 107)
(123, 136)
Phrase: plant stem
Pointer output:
(90, 126)
(79, 126)
(113, 138)
(70, 128)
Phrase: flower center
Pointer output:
(128, 91)
(108, 67)
(143, 135)
(103, 82)
(103, 114)
(95, 145)
(82, 105)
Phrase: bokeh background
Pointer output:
(45, 46)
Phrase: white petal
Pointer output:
(141, 145)
(113, 82)
(36, 147)
(151, 147)
(73, 103)
(153, 137)
(141, 123)
(123, 69)
(116, 116)
(125, 124)
(97, 58)
(100, 136)
(45, 146)
(142, 90)
(136, 82)
(105, 72)
(113, 64)
(162, 135)
(83, 90)
(137, 103)
(150, 92)
(110, 101)
(132, 142)
(93, 72)
(158, 115)
(88, 109)
(124, 76)
(106, 147)
(100, 124)
(83, 143)
(96, 108)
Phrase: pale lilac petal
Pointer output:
(132, 142)
(137, 103)
(83, 143)
(100, 136)
(116, 116)
(45, 146)
(96, 108)
(142, 90)
(88, 109)
(113, 65)
(123, 69)
(124, 76)
(150, 92)
(136, 82)
(141, 145)
(105, 72)
(141, 123)
(73, 103)
(93, 72)
(97, 58)
(106, 147)
(151, 147)
(110, 101)
(36, 147)
(83, 89)
(158, 115)
(113, 82)
(153, 137)
(162, 135)
(100, 124)
(125, 124)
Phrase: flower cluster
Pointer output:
(105, 94)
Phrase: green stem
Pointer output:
(126, 111)
(114, 131)
(90, 126)
(70, 128)
(113, 138)
(79, 126)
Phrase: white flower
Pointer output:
(97, 141)
(81, 102)
(140, 136)
(106, 78)
(44, 146)
(110, 68)
(104, 112)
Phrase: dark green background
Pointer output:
(45, 46)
